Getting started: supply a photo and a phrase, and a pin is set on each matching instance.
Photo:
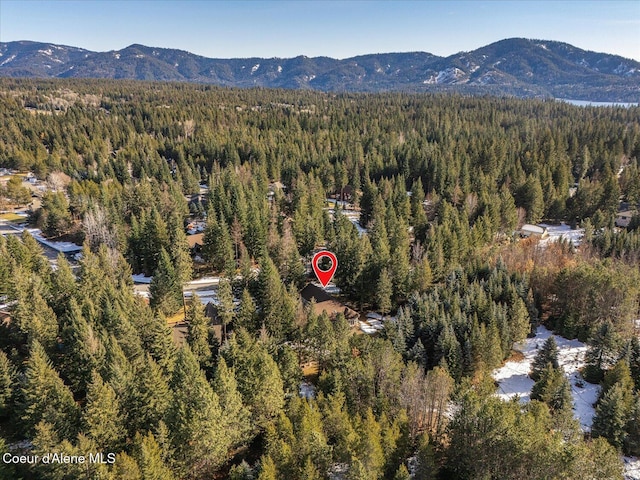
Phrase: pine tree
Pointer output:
(156, 337)
(268, 469)
(612, 416)
(118, 371)
(619, 374)
(399, 261)
(198, 331)
(421, 276)
(384, 291)
(519, 320)
(259, 380)
(241, 472)
(427, 468)
(237, 416)
(508, 211)
(601, 353)
(402, 473)
(32, 316)
(246, 316)
(553, 388)
(632, 440)
(63, 285)
(548, 354)
(150, 397)
(6, 470)
(225, 308)
(45, 397)
(369, 449)
(165, 288)
(179, 251)
(7, 378)
(272, 300)
(148, 455)
(531, 198)
(224, 259)
(84, 350)
(154, 239)
(634, 360)
(101, 418)
(194, 419)
(126, 468)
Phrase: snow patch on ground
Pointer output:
(366, 328)
(10, 59)
(631, 468)
(446, 76)
(513, 377)
(63, 247)
(307, 390)
(204, 281)
(563, 232)
(348, 211)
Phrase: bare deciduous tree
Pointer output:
(97, 231)
(58, 181)
(425, 398)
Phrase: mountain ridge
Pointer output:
(516, 66)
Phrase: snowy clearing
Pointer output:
(353, 216)
(513, 377)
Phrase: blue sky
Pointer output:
(337, 29)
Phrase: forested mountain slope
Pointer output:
(517, 66)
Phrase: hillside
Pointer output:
(519, 67)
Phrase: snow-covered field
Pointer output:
(513, 377)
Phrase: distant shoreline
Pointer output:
(589, 103)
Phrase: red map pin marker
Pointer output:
(324, 276)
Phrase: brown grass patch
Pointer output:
(177, 318)
(310, 370)
(516, 356)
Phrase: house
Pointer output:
(180, 333)
(326, 303)
(217, 328)
(623, 219)
(345, 194)
(528, 230)
(195, 242)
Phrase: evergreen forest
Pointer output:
(441, 185)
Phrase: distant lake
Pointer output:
(589, 103)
